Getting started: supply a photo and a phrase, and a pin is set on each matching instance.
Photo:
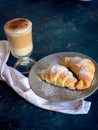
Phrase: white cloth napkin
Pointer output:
(19, 83)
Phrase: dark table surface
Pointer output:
(63, 26)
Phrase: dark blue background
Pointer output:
(69, 25)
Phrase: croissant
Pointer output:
(84, 70)
(59, 75)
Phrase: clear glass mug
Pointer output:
(19, 34)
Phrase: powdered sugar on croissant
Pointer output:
(84, 69)
(59, 75)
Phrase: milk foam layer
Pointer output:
(17, 26)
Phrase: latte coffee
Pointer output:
(19, 34)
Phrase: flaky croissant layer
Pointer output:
(84, 70)
(79, 75)
(59, 75)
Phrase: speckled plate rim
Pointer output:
(58, 94)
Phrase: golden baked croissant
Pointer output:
(59, 75)
(84, 70)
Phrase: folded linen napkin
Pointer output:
(19, 83)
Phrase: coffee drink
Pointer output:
(19, 34)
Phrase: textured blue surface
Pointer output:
(57, 26)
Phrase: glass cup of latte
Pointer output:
(19, 34)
